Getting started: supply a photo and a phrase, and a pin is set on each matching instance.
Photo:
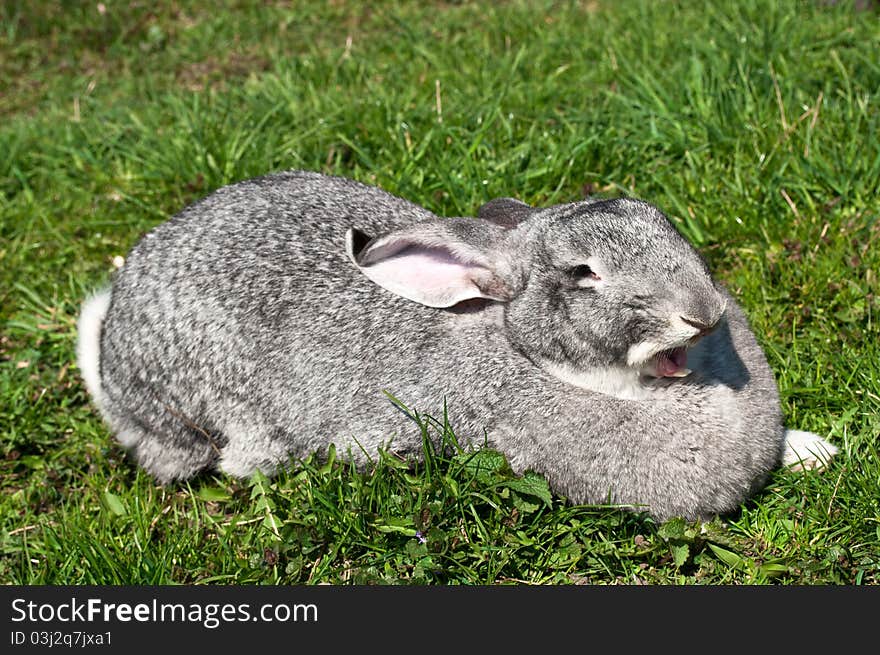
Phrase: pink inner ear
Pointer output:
(430, 276)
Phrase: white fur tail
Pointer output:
(805, 450)
(88, 346)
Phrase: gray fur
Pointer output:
(241, 333)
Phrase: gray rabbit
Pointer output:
(586, 341)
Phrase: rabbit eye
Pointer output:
(583, 272)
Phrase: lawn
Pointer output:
(754, 124)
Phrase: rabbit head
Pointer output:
(604, 294)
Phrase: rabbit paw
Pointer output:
(805, 450)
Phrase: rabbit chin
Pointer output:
(624, 382)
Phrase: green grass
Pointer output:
(754, 125)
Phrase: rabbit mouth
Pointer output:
(671, 363)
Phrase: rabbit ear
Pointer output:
(506, 212)
(429, 264)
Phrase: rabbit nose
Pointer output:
(703, 327)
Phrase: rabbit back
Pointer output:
(238, 329)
